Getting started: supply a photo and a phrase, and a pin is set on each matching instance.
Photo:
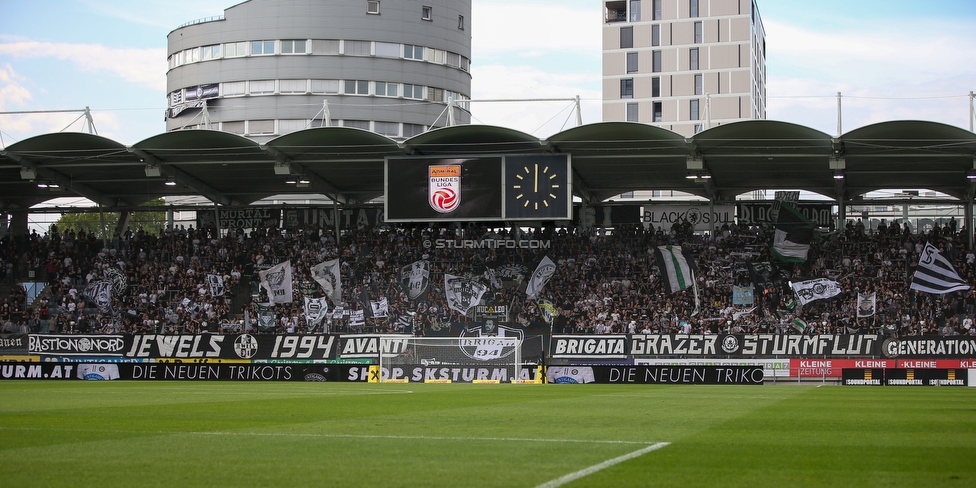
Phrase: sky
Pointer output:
(889, 59)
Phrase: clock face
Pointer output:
(537, 187)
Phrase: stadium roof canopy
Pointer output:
(608, 158)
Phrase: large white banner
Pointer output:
(277, 281)
(327, 275)
(462, 293)
(701, 217)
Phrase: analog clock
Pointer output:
(537, 187)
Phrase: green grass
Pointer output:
(348, 434)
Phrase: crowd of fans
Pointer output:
(605, 281)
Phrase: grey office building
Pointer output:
(270, 67)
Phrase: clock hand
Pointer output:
(537, 178)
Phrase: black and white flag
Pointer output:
(815, 289)
(414, 279)
(935, 274)
(277, 281)
(380, 308)
(120, 283)
(866, 304)
(216, 283)
(99, 294)
(326, 274)
(315, 310)
(540, 277)
(462, 293)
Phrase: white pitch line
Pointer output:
(597, 467)
(333, 436)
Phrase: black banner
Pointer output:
(760, 213)
(926, 377)
(175, 371)
(144, 347)
(415, 373)
(325, 217)
(13, 344)
(713, 345)
(246, 218)
(659, 374)
(958, 347)
(906, 377)
(607, 216)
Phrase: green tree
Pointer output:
(90, 220)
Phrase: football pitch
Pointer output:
(128, 434)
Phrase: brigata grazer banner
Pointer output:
(624, 346)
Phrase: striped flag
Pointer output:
(935, 274)
(791, 242)
(675, 269)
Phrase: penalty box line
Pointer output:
(597, 467)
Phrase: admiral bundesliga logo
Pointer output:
(444, 188)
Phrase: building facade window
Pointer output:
(656, 87)
(627, 88)
(325, 86)
(413, 52)
(635, 14)
(236, 127)
(656, 35)
(232, 89)
(356, 87)
(656, 61)
(693, 110)
(693, 8)
(260, 127)
(210, 52)
(359, 124)
(632, 113)
(410, 130)
(698, 84)
(698, 32)
(426, 13)
(292, 86)
(626, 37)
(262, 48)
(384, 89)
(658, 11)
(413, 91)
(356, 48)
(373, 7)
(294, 46)
(693, 58)
(460, 22)
(387, 50)
(235, 49)
(658, 111)
(325, 46)
(632, 62)
(261, 87)
(389, 129)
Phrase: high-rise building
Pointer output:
(269, 67)
(683, 65)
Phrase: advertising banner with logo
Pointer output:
(771, 367)
(701, 217)
(905, 377)
(434, 189)
(713, 345)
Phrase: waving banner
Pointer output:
(540, 277)
(326, 274)
(414, 279)
(277, 281)
(462, 293)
